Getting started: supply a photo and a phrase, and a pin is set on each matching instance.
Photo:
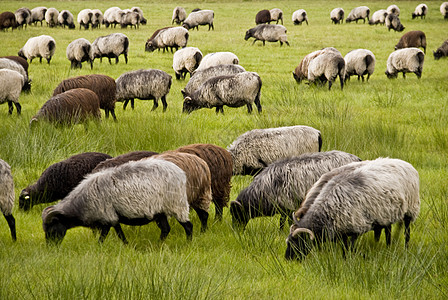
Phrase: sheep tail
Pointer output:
(51, 46)
(421, 58)
(319, 140)
(341, 68)
(368, 60)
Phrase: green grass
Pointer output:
(404, 119)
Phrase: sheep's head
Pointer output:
(240, 217)
(391, 75)
(299, 243)
(53, 225)
(189, 105)
(149, 46)
(437, 54)
(21, 54)
(248, 35)
(186, 26)
(25, 202)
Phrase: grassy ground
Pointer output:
(399, 118)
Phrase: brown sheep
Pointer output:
(301, 71)
(7, 20)
(263, 16)
(412, 39)
(123, 158)
(442, 51)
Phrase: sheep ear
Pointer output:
(184, 93)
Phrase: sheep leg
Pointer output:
(252, 43)
(203, 217)
(12, 225)
(40, 59)
(188, 226)
(18, 108)
(287, 43)
(116, 60)
(104, 232)
(10, 107)
(112, 112)
(257, 102)
(110, 62)
(164, 104)
(162, 223)
(125, 103)
(156, 104)
(48, 60)
(388, 231)
(106, 111)
(132, 103)
(219, 109)
(404, 75)
(73, 64)
(249, 108)
(407, 230)
(120, 233)
(330, 83)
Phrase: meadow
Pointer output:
(401, 118)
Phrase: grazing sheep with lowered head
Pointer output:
(299, 16)
(11, 83)
(51, 17)
(407, 60)
(326, 67)
(378, 17)
(185, 61)
(179, 15)
(8, 20)
(358, 13)
(130, 18)
(23, 16)
(172, 37)
(393, 9)
(7, 196)
(65, 18)
(218, 58)
(85, 18)
(276, 15)
(359, 62)
(17, 64)
(414, 39)
(122, 159)
(111, 46)
(442, 51)
(38, 14)
(268, 32)
(337, 15)
(197, 18)
(113, 15)
(420, 11)
(393, 22)
(79, 51)
(301, 71)
(138, 10)
(97, 18)
(42, 46)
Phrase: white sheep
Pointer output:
(329, 64)
(10, 64)
(301, 71)
(97, 18)
(42, 46)
(138, 10)
(420, 11)
(11, 83)
(407, 60)
(38, 14)
(444, 10)
(179, 15)
(378, 17)
(358, 13)
(359, 62)
(7, 196)
(337, 15)
(23, 16)
(218, 58)
(130, 18)
(185, 61)
(51, 17)
(65, 18)
(78, 51)
(276, 15)
(173, 37)
(201, 17)
(113, 15)
(267, 32)
(112, 45)
(299, 16)
(85, 18)
(393, 9)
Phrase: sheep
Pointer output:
(262, 17)
(59, 179)
(354, 199)
(71, 107)
(299, 16)
(111, 46)
(420, 11)
(301, 71)
(97, 18)
(78, 51)
(444, 10)
(42, 46)
(13, 63)
(231, 90)
(442, 51)
(7, 196)
(199, 192)
(130, 18)
(185, 61)
(200, 76)
(282, 186)
(378, 17)
(267, 32)
(358, 13)
(11, 83)
(38, 14)
(134, 193)
(138, 10)
(103, 85)
(276, 15)
(122, 159)
(218, 58)
(220, 164)
(326, 67)
(393, 22)
(173, 37)
(113, 15)
(8, 20)
(201, 17)
(337, 15)
(407, 60)
(144, 84)
(23, 16)
(359, 62)
(410, 39)
(65, 18)
(393, 9)
(84, 18)
(179, 15)
(51, 17)
(256, 149)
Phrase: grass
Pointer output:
(399, 118)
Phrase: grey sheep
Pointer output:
(172, 37)
(7, 196)
(97, 18)
(42, 46)
(393, 9)
(84, 18)
(79, 51)
(378, 17)
(415, 38)
(442, 51)
(11, 83)
(12, 63)
(359, 62)
(38, 14)
(393, 22)
(268, 32)
(134, 193)
(51, 17)
(23, 16)
(65, 18)
(299, 16)
(130, 18)
(337, 15)
(358, 13)
(113, 15)
(326, 67)
(7, 20)
(354, 199)
(138, 10)
(256, 149)
(111, 46)
(407, 60)
(197, 18)
(122, 159)
(444, 10)
(218, 58)
(185, 61)
(232, 90)
(276, 15)
(144, 84)
(283, 185)
(179, 15)
(301, 71)
(420, 11)
(59, 179)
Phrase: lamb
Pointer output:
(122, 159)
(393, 9)
(97, 18)
(262, 17)
(358, 13)
(407, 60)
(410, 39)
(276, 15)
(185, 61)
(326, 67)
(42, 46)
(14, 63)
(11, 83)
(111, 46)
(23, 16)
(220, 164)
(7, 20)
(201, 17)
(393, 22)
(142, 19)
(200, 76)
(442, 51)
(144, 84)
(299, 16)
(232, 90)
(282, 186)
(301, 71)
(173, 37)
(7, 196)
(268, 32)
(353, 199)
(103, 86)
(337, 15)
(51, 17)
(113, 16)
(420, 11)
(444, 10)
(378, 17)
(65, 18)
(130, 18)
(79, 51)
(359, 62)
(38, 14)
(218, 58)
(85, 18)
(179, 15)
(258, 148)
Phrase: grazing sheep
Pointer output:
(263, 17)
(51, 17)
(301, 71)
(299, 16)
(97, 18)
(256, 149)
(220, 164)
(130, 18)
(276, 15)
(378, 17)
(358, 13)
(393, 22)
(267, 32)
(232, 90)
(359, 62)
(65, 18)
(337, 15)
(138, 10)
(8, 20)
(420, 11)
(11, 83)
(393, 9)
(173, 37)
(103, 85)
(122, 159)
(218, 58)
(149, 84)
(78, 51)
(414, 39)
(354, 199)
(179, 15)
(85, 18)
(42, 46)
(326, 67)
(201, 17)
(282, 186)
(13, 63)
(7, 196)
(444, 10)
(200, 76)
(442, 51)
(38, 14)
(113, 16)
(59, 179)
(23, 16)
(407, 60)
(111, 46)
(185, 61)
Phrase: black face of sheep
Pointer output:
(189, 106)
(26, 200)
(437, 54)
(248, 35)
(149, 47)
(53, 227)
(299, 244)
(391, 76)
(240, 217)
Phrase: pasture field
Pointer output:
(401, 118)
